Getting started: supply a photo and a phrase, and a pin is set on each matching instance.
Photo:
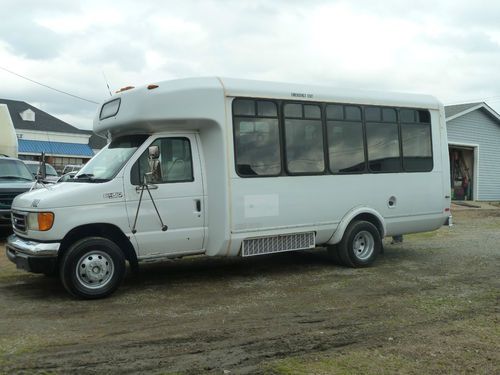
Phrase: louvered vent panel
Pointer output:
(278, 244)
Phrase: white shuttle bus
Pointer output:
(229, 167)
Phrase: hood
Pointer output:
(67, 194)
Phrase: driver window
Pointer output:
(173, 165)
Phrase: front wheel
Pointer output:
(360, 244)
(93, 267)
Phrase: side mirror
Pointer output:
(154, 152)
(154, 174)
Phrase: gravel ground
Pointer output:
(428, 305)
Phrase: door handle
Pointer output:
(150, 187)
(197, 205)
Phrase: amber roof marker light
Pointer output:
(151, 87)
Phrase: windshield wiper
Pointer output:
(87, 177)
(16, 178)
(84, 175)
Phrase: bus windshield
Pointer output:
(107, 163)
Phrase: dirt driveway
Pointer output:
(429, 305)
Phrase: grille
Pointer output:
(19, 221)
(278, 244)
(6, 199)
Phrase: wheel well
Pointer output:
(371, 219)
(106, 230)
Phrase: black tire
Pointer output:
(93, 267)
(360, 244)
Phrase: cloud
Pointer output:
(449, 48)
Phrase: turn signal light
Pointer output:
(45, 220)
(41, 221)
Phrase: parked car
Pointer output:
(15, 178)
(71, 168)
(34, 167)
(66, 177)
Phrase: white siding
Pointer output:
(477, 127)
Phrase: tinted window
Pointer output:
(173, 165)
(293, 110)
(424, 116)
(266, 109)
(383, 147)
(352, 113)
(345, 146)
(312, 112)
(334, 112)
(389, 115)
(408, 115)
(373, 114)
(257, 144)
(244, 107)
(304, 140)
(416, 140)
(304, 146)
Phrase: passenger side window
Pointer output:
(304, 139)
(173, 165)
(256, 136)
(417, 143)
(345, 139)
(382, 138)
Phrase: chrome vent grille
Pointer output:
(278, 244)
(19, 221)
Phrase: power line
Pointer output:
(47, 86)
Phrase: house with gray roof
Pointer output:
(37, 132)
(474, 150)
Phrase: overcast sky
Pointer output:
(450, 49)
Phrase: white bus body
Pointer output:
(225, 190)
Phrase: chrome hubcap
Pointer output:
(363, 245)
(95, 269)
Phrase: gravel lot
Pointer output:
(428, 305)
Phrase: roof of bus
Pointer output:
(294, 91)
(200, 99)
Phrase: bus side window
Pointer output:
(304, 139)
(256, 134)
(345, 139)
(417, 141)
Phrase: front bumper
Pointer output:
(32, 256)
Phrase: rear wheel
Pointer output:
(93, 267)
(360, 245)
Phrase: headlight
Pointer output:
(42, 221)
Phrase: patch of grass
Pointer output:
(356, 362)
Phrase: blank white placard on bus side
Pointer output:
(262, 205)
